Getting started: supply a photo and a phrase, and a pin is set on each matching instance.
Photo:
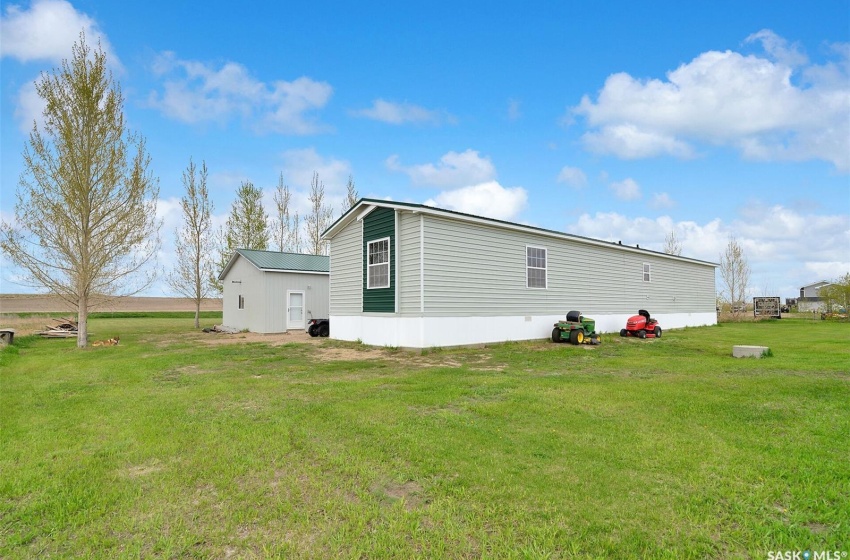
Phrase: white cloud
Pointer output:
(776, 106)
(786, 249)
(572, 176)
(486, 199)
(629, 142)
(30, 108)
(299, 165)
(195, 92)
(779, 49)
(401, 113)
(628, 189)
(662, 200)
(454, 170)
(47, 31)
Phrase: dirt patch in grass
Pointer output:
(138, 471)
(273, 339)
(389, 492)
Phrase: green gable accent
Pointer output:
(378, 224)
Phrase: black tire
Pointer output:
(576, 336)
(657, 332)
(556, 335)
(624, 332)
(641, 333)
(324, 330)
(312, 331)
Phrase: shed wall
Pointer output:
(264, 293)
(244, 279)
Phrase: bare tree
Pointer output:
(281, 224)
(319, 218)
(85, 219)
(193, 240)
(735, 273)
(246, 227)
(296, 243)
(351, 196)
(672, 244)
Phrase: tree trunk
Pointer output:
(82, 322)
(197, 314)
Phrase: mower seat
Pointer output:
(574, 317)
(644, 313)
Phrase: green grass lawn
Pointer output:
(170, 447)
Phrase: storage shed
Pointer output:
(271, 292)
(416, 276)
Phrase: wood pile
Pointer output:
(222, 329)
(64, 328)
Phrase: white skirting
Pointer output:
(427, 332)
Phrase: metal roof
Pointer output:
(275, 261)
(366, 205)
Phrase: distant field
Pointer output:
(33, 303)
(184, 444)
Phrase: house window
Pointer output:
(535, 267)
(241, 301)
(647, 275)
(379, 264)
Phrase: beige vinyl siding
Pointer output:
(408, 275)
(314, 286)
(346, 286)
(244, 279)
(475, 269)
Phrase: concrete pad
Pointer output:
(749, 351)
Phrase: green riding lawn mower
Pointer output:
(576, 330)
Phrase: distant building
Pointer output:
(810, 299)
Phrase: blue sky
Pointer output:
(617, 120)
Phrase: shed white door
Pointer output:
(295, 310)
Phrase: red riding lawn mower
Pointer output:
(642, 326)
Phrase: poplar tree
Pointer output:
(319, 218)
(735, 273)
(246, 227)
(85, 219)
(672, 244)
(193, 241)
(282, 224)
(351, 196)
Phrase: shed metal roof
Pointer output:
(275, 261)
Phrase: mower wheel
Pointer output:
(624, 332)
(596, 339)
(556, 335)
(577, 336)
(657, 332)
(641, 333)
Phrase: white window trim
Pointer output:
(369, 285)
(545, 269)
(647, 272)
